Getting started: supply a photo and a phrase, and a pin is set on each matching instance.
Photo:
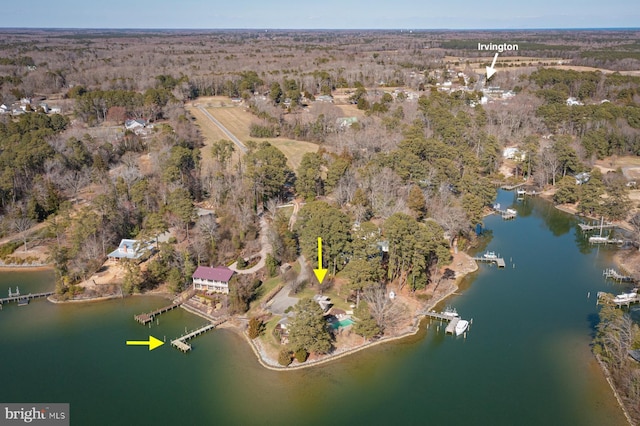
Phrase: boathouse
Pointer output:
(212, 279)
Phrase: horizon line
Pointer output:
(320, 29)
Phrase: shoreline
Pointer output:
(30, 267)
(273, 365)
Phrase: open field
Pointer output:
(237, 120)
(630, 167)
(293, 150)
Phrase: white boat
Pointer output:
(511, 211)
(450, 312)
(625, 297)
(598, 240)
(461, 326)
(521, 192)
(490, 255)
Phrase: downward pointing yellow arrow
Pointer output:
(152, 343)
(320, 272)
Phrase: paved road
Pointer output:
(226, 131)
(266, 248)
(282, 300)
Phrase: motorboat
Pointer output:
(461, 326)
(598, 240)
(490, 255)
(511, 211)
(625, 297)
(450, 312)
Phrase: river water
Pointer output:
(526, 359)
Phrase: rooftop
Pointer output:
(219, 273)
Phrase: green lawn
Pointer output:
(337, 300)
(263, 290)
(267, 337)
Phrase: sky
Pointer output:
(320, 14)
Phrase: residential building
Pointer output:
(131, 249)
(213, 280)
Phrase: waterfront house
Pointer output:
(215, 280)
(131, 249)
(135, 124)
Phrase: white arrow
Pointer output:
(490, 70)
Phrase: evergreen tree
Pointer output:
(567, 191)
(365, 325)
(308, 328)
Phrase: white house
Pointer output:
(134, 124)
(573, 102)
(212, 279)
(131, 249)
(513, 153)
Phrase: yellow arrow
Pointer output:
(152, 343)
(320, 272)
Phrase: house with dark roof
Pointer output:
(214, 280)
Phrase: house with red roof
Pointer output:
(214, 280)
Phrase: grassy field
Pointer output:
(293, 150)
(238, 120)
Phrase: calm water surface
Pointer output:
(526, 360)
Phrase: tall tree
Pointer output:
(309, 177)
(319, 219)
(308, 328)
(267, 170)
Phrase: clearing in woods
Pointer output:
(238, 120)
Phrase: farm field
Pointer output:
(238, 120)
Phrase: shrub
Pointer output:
(301, 355)
(241, 263)
(256, 327)
(284, 357)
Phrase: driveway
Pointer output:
(264, 250)
(282, 300)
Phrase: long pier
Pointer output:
(616, 276)
(144, 319)
(497, 260)
(29, 296)
(181, 342)
(512, 187)
(585, 227)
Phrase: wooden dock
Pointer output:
(585, 227)
(497, 260)
(144, 319)
(619, 303)
(507, 214)
(453, 321)
(605, 240)
(29, 296)
(181, 342)
(512, 187)
(616, 276)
